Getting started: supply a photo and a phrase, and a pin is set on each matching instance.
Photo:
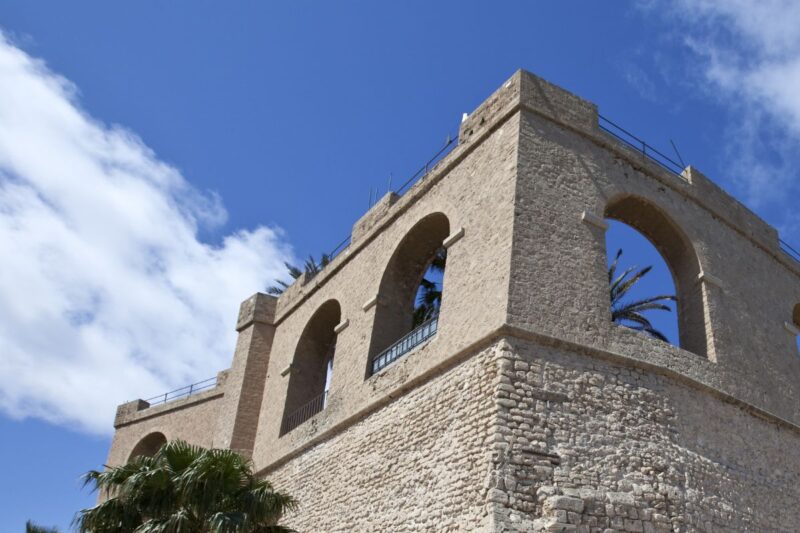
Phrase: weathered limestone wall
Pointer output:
(589, 446)
(419, 464)
(475, 192)
(559, 285)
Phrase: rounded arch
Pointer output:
(400, 282)
(681, 259)
(312, 365)
(148, 446)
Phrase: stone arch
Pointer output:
(680, 256)
(394, 314)
(312, 366)
(148, 446)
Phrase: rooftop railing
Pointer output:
(298, 416)
(417, 336)
(183, 392)
(788, 250)
(665, 162)
(418, 175)
(639, 145)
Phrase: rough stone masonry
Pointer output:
(524, 408)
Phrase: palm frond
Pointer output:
(184, 488)
(310, 267)
(612, 270)
(628, 284)
(30, 527)
(629, 314)
(620, 318)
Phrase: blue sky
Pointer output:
(158, 162)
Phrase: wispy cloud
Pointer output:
(106, 292)
(748, 52)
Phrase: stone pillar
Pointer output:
(244, 390)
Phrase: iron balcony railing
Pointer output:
(423, 332)
(788, 250)
(450, 143)
(305, 412)
(639, 145)
(183, 392)
(665, 162)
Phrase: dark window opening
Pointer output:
(410, 294)
(312, 367)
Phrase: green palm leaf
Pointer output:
(184, 488)
(629, 314)
(310, 267)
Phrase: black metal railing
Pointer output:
(298, 416)
(418, 175)
(420, 334)
(788, 250)
(640, 146)
(451, 141)
(665, 162)
(183, 392)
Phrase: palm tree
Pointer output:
(629, 313)
(184, 488)
(429, 293)
(310, 267)
(30, 527)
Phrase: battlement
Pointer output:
(518, 206)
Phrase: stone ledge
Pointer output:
(705, 277)
(126, 415)
(369, 304)
(453, 238)
(594, 220)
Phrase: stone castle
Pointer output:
(520, 406)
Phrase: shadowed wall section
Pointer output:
(148, 446)
(314, 350)
(398, 288)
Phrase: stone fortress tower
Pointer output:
(521, 407)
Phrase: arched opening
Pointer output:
(678, 255)
(629, 253)
(148, 446)
(410, 293)
(312, 367)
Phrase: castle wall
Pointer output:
(591, 444)
(529, 410)
(559, 276)
(192, 419)
(419, 464)
(476, 194)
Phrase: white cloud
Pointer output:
(749, 58)
(106, 292)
